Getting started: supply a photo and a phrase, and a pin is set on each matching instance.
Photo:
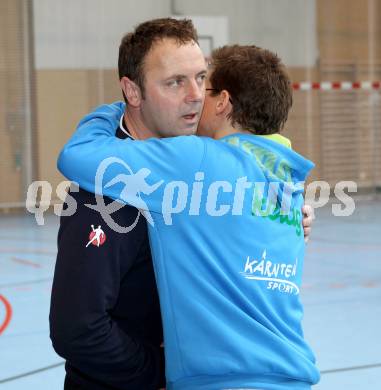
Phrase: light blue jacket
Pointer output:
(228, 263)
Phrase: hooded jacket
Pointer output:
(224, 220)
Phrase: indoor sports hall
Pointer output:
(59, 60)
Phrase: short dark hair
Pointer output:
(258, 84)
(135, 45)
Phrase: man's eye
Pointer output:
(201, 78)
(174, 83)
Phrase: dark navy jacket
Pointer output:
(105, 314)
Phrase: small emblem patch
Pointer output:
(97, 237)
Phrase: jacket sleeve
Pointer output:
(94, 152)
(85, 289)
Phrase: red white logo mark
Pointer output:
(97, 236)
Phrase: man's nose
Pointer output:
(195, 92)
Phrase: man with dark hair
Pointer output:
(228, 261)
(168, 49)
(105, 314)
(135, 45)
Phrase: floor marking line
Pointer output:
(26, 262)
(23, 239)
(12, 378)
(26, 283)
(8, 313)
(351, 368)
(29, 251)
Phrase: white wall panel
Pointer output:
(86, 33)
(287, 27)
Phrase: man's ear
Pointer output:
(223, 105)
(131, 91)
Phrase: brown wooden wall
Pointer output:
(11, 100)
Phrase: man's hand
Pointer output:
(308, 217)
